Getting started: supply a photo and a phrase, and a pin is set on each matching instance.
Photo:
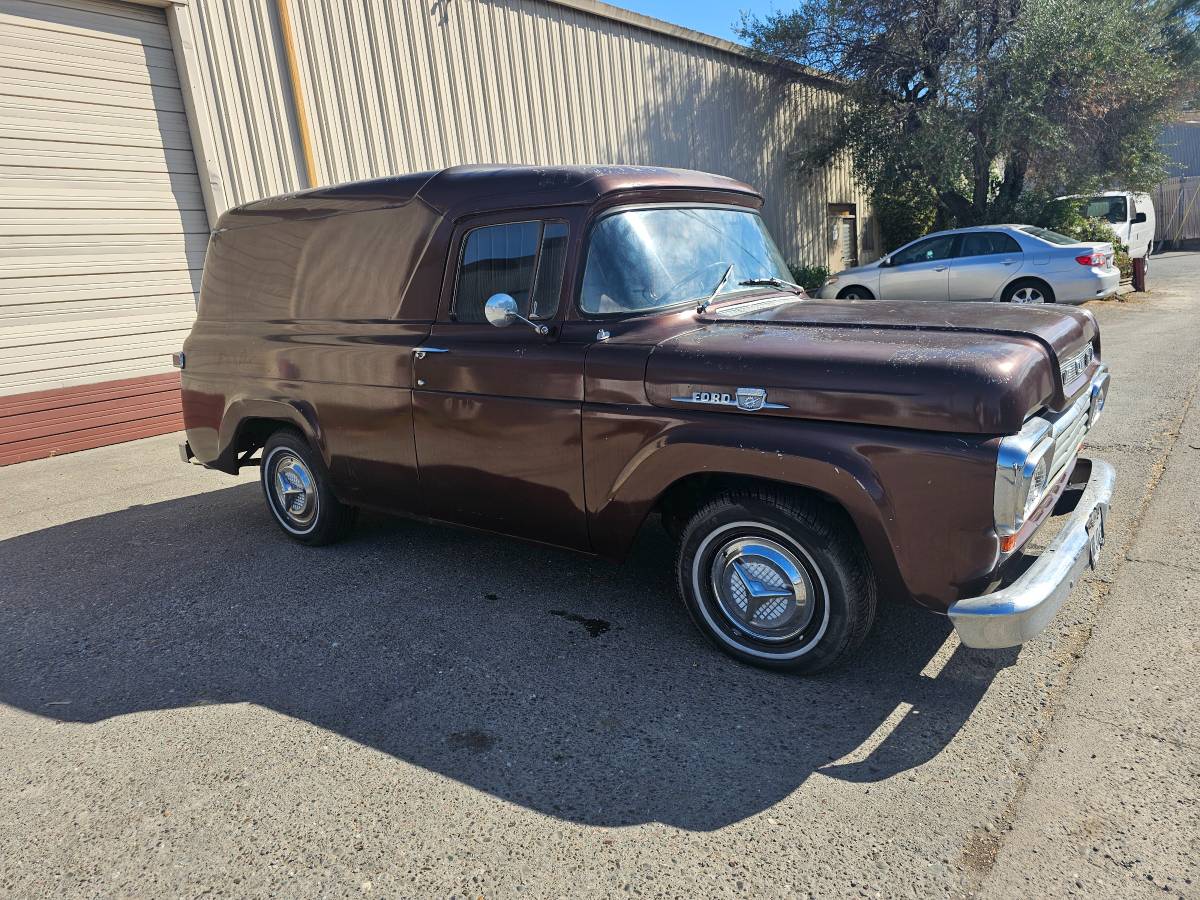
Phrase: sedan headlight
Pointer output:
(1022, 475)
(832, 279)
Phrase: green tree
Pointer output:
(959, 109)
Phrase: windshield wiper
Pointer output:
(703, 305)
(774, 282)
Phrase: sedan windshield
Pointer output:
(1050, 237)
(646, 259)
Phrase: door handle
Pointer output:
(419, 352)
(1009, 262)
(940, 268)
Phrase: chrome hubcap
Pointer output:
(763, 589)
(295, 491)
(1028, 295)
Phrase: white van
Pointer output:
(1130, 214)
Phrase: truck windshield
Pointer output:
(645, 259)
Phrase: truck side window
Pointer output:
(522, 259)
(496, 259)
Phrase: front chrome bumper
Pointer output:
(1016, 613)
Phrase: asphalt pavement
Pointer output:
(192, 705)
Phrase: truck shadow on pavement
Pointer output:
(567, 685)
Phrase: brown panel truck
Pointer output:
(559, 353)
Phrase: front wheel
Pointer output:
(296, 486)
(855, 292)
(776, 580)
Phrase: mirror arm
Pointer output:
(540, 329)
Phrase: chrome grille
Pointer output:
(1068, 431)
(1075, 366)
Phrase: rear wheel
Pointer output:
(296, 487)
(776, 580)
(1028, 292)
(855, 292)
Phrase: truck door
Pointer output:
(919, 271)
(986, 261)
(497, 411)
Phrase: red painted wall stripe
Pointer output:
(48, 423)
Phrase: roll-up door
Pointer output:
(102, 225)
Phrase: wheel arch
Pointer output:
(249, 423)
(678, 472)
(861, 287)
(684, 496)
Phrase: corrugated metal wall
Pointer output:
(102, 225)
(1181, 142)
(407, 85)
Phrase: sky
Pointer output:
(710, 16)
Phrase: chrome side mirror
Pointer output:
(501, 311)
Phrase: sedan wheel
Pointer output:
(1028, 294)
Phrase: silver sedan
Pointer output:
(1008, 263)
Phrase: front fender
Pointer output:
(921, 501)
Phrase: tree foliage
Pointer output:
(960, 109)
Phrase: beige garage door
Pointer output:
(102, 225)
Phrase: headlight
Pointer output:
(832, 279)
(1022, 475)
(1037, 485)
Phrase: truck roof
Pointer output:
(460, 189)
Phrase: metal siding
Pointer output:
(409, 85)
(1180, 141)
(102, 222)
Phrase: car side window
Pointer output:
(925, 251)
(988, 243)
(522, 259)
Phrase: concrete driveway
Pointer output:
(191, 704)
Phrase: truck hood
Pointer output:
(956, 367)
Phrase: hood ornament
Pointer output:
(747, 399)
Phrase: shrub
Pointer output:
(811, 278)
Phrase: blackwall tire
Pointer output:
(296, 487)
(1028, 291)
(855, 292)
(776, 580)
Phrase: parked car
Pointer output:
(1131, 215)
(558, 354)
(1009, 263)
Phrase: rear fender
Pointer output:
(299, 414)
